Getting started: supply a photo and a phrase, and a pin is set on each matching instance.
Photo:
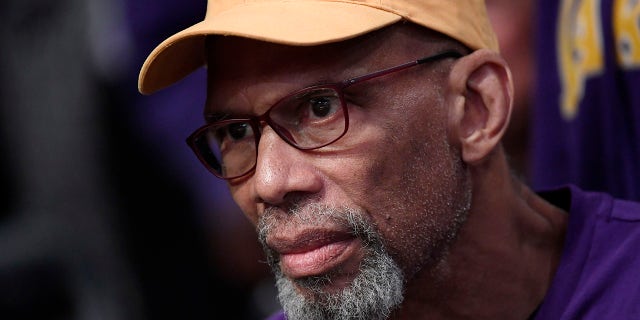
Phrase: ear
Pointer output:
(481, 103)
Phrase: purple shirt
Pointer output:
(598, 276)
(278, 316)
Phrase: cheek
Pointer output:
(412, 183)
(241, 194)
(425, 209)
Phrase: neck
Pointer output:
(502, 262)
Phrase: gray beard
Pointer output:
(375, 292)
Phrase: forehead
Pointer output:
(238, 57)
(232, 56)
(241, 70)
(247, 76)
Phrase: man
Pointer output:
(362, 138)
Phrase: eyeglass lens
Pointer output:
(308, 119)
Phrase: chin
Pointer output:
(373, 292)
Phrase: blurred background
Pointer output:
(105, 213)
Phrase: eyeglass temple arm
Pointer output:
(443, 55)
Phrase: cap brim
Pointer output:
(289, 22)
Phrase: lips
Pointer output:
(316, 252)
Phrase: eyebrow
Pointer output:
(220, 115)
(216, 116)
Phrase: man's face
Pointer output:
(362, 216)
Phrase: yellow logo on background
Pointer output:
(579, 50)
(626, 28)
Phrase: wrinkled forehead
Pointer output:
(243, 73)
(233, 57)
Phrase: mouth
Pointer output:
(318, 252)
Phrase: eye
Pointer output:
(238, 131)
(233, 132)
(322, 106)
(319, 105)
(311, 107)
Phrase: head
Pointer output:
(349, 225)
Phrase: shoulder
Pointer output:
(597, 275)
(592, 205)
(598, 222)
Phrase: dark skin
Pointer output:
(420, 143)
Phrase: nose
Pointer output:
(282, 170)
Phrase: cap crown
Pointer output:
(294, 22)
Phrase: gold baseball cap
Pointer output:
(306, 23)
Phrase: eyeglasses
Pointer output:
(307, 119)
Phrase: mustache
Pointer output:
(315, 214)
